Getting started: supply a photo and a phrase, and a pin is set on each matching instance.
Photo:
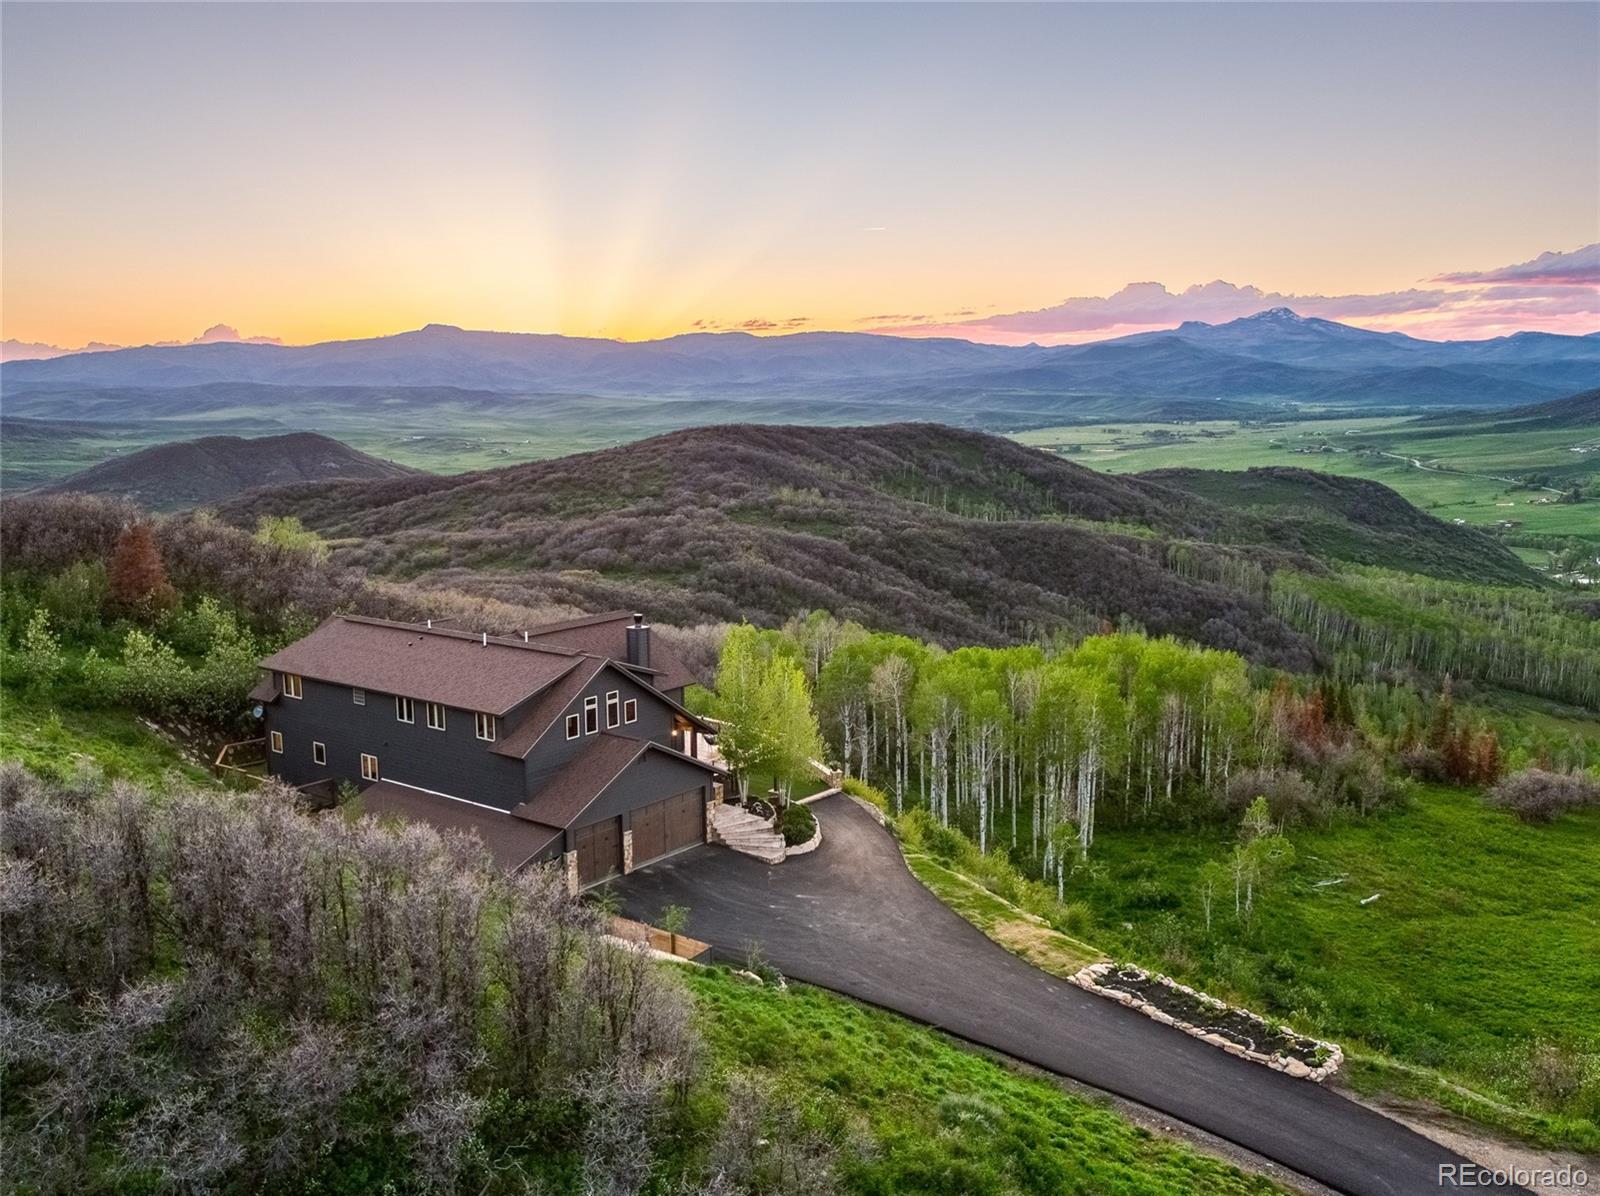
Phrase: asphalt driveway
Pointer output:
(850, 917)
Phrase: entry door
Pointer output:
(599, 847)
(664, 827)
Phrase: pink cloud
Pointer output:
(1554, 292)
(1581, 267)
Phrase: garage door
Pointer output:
(599, 848)
(666, 826)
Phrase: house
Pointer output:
(569, 741)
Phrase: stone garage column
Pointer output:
(569, 862)
(627, 851)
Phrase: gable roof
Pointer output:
(589, 774)
(548, 709)
(512, 842)
(607, 635)
(454, 668)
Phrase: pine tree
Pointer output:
(136, 577)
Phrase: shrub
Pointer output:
(797, 825)
(1290, 797)
(1538, 795)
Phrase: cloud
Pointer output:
(15, 350)
(1555, 292)
(1581, 267)
(756, 324)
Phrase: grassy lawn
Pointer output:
(58, 741)
(1483, 944)
(1014, 928)
(940, 1118)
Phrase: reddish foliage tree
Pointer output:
(136, 577)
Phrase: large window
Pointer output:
(630, 710)
(435, 717)
(613, 708)
(277, 741)
(369, 767)
(291, 685)
(483, 726)
(574, 727)
(319, 753)
(404, 710)
(591, 715)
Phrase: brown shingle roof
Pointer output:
(547, 709)
(607, 635)
(512, 842)
(588, 775)
(435, 665)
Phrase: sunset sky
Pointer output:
(312, 172)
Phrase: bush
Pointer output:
(797, 825)
(1290, 797)
(215, 993)
(1537, 795)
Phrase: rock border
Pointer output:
(1088, 979)
(809, 845)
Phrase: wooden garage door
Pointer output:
(599, 848)
(666, 826)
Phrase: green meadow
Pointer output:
(1453, 472)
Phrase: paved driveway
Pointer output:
(851, 918)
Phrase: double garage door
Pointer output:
(664, 827)
(659, 829)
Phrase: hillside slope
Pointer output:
(1579, 411)
(1337, 518)
(918, 528)
(190, 473)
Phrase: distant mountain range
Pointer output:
(191, 473)
(1274, 357)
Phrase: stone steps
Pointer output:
(744, 832)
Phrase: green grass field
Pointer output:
(114, 743)
(1332, 446)
(1479, 961)
(939, 1118)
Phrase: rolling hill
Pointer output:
(1580, 412)
(193, 473)
(924, 529)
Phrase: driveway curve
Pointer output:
(851, 917)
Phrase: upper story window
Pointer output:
(435, 717)
(574, 728)
(404, 710)
(291, 685)
(483, 726)
(630, 710)
(591, 715)
(358, 696)
(613, 708)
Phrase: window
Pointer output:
(613, 709)
(358, 696)
(483, 726)
(435, 717)
(404, 710)
(630, 710)
(591, 715)
(277, 741)
(573, 726)
(369, 767)
(291, 685)
(319, 753)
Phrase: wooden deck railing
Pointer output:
(238, 758)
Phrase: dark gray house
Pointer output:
(568, 741)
